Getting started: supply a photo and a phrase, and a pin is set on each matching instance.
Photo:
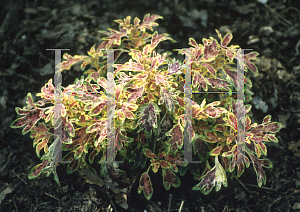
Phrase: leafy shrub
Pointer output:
(149, 122)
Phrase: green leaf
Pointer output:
(73, 164)
(201, 148)
(138, 159)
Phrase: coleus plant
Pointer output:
(149, 111)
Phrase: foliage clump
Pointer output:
(149, 111)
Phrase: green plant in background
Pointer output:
(149, 114)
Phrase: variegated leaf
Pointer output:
(147, 152)
(156, 39)
(209, 68)
(218, 83)
(98, 107)
(170, 179)
(214, 112)
(211, 137)
(273, 127)
(135, 93)
(199, 81)
(216, 151)
(165, 164)
(30, 119)
(127, 113)
(70, 61)
(251, 65)
(149, 22)
(272, 137)
(232, 74)
(114, 36)
(260, 173)
(155, 166)
(210, 50)
(47, 91)
(176, 141)
(166, 96)
(36, 171)
(267, 119)
(145, 185)
(215, 177)
(148, 116)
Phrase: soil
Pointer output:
(29, 27)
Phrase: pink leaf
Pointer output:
(273, 127)
(148, 22)
(135, 93)
(250, 65)
(66, 65)
(226, 40)
(199, 81)
(47, 91)
(210, 50)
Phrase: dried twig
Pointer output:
(170, 199)
(15, 205)
(276, 200)
(111, 202)
(278, 16)
(262, 187)
(242, 184)
(181, 205)
(13, 171)
(51, 196)
(8, 159)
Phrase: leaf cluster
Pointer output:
(142, 108)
